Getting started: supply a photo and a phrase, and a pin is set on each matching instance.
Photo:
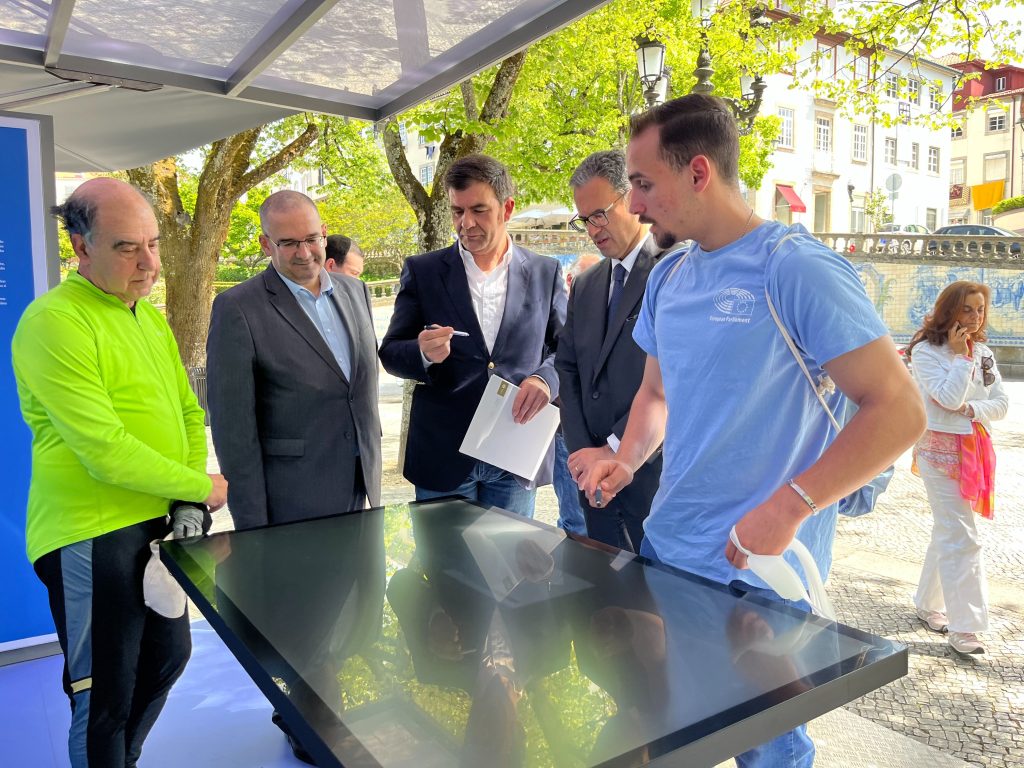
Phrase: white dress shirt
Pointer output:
(628, 261)
(487, 291)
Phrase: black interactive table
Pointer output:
(441, 634)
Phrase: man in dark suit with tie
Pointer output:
(599, 365)
(292, 376)
(479, 307)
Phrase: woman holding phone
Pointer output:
(963, 394)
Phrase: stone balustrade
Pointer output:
(896, 247)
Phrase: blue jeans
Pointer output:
(793, 749)
(570, 516)
(490, 486)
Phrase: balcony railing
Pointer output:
(941, 249)
(382, 289)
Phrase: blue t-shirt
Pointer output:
(742, 419)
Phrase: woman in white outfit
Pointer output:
(963, 394)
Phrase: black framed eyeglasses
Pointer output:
(597, 218)
(293, 245)
(987, 377)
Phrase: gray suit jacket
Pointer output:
(286, 422)
(600, 369)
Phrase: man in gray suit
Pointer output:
(292, 376)
(599, 365)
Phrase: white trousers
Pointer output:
(953, 577)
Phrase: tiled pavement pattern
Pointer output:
(949, 711)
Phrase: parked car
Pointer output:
(974, 239)
(910, 229)
(892, 245)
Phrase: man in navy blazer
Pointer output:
(511, 303)
(599, 364)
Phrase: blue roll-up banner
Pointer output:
(28, 267)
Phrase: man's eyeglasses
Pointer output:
(987, 377)
(597, 218)
(293, 245)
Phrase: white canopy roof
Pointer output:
(131, 81)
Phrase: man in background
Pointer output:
(117, 435)
(508, 305)
(584, 262)
(343, 256)
(599, 364)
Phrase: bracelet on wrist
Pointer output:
(803, 495)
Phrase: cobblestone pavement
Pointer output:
(970, 708)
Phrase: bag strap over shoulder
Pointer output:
(825, 383)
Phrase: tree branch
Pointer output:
(406, 180)
(496, 105)
(469, 100)
(280, 160)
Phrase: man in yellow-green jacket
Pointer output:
(117, 436)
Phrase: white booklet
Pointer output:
(494, 437)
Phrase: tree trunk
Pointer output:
(190, 246)
(432, 214)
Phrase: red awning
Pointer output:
(796, 205)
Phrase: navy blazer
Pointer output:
(601, 369)
(434, 289)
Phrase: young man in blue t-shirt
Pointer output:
(746, 442)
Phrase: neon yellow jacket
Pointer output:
(116, 429)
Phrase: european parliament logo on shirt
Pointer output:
(736, 305)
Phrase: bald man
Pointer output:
(117, 436)
(292, 379)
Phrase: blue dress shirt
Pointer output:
(327, 319)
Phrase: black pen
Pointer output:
(435, 326)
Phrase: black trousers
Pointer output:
(120, 658)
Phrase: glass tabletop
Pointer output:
(441, 634)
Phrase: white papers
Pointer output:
(508, 552)
(494, 437)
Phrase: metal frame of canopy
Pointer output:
(55, 57)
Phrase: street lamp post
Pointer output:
(650, 56)
(650, 64)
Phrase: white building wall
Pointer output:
(822, 179)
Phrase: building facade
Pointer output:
(826, 163)
(987, 163)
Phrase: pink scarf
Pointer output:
(978, 470)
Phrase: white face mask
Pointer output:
(774, 571)
(160, 591)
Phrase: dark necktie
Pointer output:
(618, 283)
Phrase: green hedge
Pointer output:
(1009, 204)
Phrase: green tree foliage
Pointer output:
(877, 208)
(360, 197)
(578, 87)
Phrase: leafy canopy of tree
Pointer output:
(542, 111)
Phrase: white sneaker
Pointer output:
(936, 621)
(966, 643)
